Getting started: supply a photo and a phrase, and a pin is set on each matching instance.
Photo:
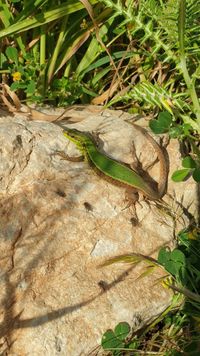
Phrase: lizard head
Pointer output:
(78, 137)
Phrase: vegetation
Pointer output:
(177, 330)
(142, 56)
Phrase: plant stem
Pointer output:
(183, 66)
(42, 59)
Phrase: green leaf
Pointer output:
(173, 261)
(110, 341)
(30, 87)
(162, 124)
(196, 175)
(122, 330)
(177, 256)
(12, 54)
(166, 118)
(163, 256)
(180, 175)
(188, 162)
(3, 59)
(156, 126)
(16, 85)
(171, 267)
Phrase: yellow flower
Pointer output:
(16, 76)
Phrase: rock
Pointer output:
(59, 221)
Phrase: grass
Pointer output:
(140, 55)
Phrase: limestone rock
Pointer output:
(59, 221)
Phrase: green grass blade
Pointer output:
(57, 49)
(5, 14)
(43, 18)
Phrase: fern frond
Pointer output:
(152, 95)
(192, 27)
(165, 15)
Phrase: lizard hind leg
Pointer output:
(131, 197)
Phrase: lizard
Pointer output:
(115, 170)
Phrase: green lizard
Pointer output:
(115, 170)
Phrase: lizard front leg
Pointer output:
(66, 157)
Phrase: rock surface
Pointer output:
(59, 221)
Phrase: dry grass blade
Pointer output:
(106, 94)
(91, 14)
(132, 258)
(13, 105)
(74, 49)
(40, 116)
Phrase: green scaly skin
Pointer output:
(108, 166)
